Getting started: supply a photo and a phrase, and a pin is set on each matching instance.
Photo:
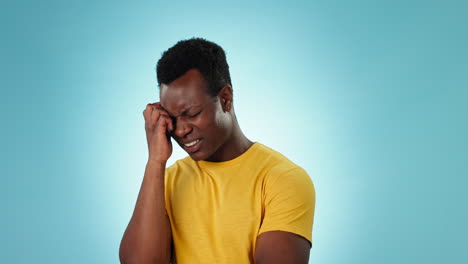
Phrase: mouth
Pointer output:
(192, 146)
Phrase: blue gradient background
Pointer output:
(370, 97)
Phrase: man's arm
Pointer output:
(280, 247)
(148, 237)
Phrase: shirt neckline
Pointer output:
(249, 152)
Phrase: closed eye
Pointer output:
(192, 116)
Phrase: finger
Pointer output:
(154, 117)
(147, 113)
(147, 109)
(159, 106)
(162, 124)
(171, 124)
(168, 123)
(157, 114)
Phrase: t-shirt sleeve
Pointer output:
(289, 203)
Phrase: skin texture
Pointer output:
(279, 247)
(158, 126)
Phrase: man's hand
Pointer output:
(157, 125)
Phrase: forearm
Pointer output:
(148, 235)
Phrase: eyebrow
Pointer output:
(184, 110)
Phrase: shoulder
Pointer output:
(278, 165)
(181, 166)
(288, 198)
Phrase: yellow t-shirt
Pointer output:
(217, 209)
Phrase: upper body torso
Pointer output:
(217, 209)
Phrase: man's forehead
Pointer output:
(178, 96)
(181, 91)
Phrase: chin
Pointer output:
(197, 156)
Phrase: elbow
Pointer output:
(139, 258)
(136, 259)
(133, 252)
(130, 256)
(123, 255)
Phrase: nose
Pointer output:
(182, 128)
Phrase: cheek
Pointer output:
(203, 124)
(213, 123)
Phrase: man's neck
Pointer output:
(235, 146)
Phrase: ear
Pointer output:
(225, 97)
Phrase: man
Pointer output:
(231, 200)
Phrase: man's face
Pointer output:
(201, 126)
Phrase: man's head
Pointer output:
(195, 89)
(196, 53)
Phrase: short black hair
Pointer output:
(195, 53)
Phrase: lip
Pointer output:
(193, 148)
